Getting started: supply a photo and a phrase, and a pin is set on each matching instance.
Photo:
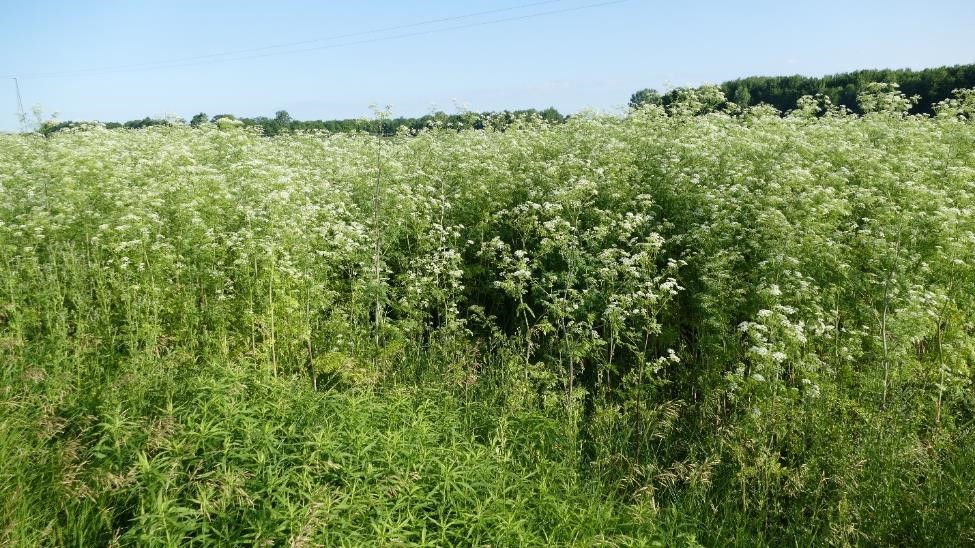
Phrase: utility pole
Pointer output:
(20, 102)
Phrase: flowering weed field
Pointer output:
(692, 326)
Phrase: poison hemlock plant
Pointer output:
(698, 324)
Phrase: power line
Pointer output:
(158, 66)
(73, 72)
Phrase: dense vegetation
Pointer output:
(931, 86)
(731, 328)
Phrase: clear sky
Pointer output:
(574, 55)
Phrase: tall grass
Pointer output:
(679, 327)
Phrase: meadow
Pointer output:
(698, 325)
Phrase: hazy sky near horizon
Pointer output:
(116, 60)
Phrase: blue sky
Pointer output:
(577, 57)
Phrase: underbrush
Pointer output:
(169, 453)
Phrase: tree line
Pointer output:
(282, 122)
(931, 86)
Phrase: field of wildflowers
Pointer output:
(698, 325)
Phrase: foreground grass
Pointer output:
(165, 453)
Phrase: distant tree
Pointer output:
(552, 115)
(743, 97)
(282, 117)
(647, 96)
(281, 123)
(199, 119)
(219, 116)
(144, 123)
